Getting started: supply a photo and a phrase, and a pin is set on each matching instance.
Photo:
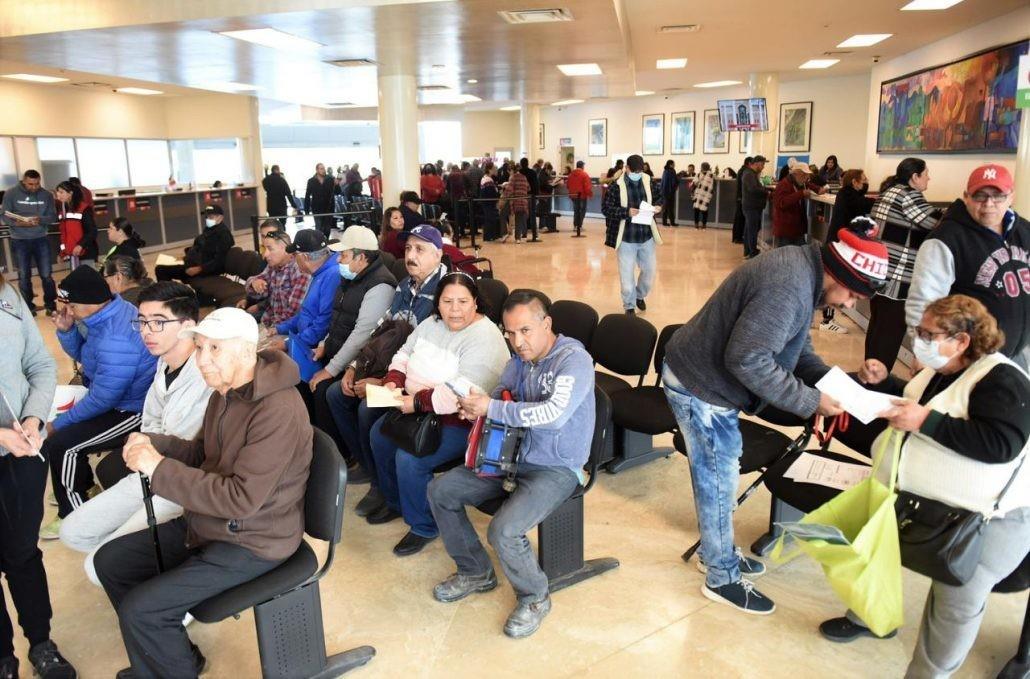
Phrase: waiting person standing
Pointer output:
(634, 243)
(517, 202)
(489, 193)
(905, 218)
(431, 185)
(33, 210)
(790, 223)
(753, 199)
(532, 176)
(275, 295)
(375, 185)
(670, 184)
(849, 203)
(77, 225)
(319, 199)
(278, 194)
(580, 190)
(704, 187)
(738, 214)
(126, 241)
(457, 194)
(748, 347)
(206, 257)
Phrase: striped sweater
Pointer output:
(904, 218)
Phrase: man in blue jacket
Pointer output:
(116, 368)
(552, 380)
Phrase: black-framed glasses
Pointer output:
(984, 198)
(154, 324)
(928, 335)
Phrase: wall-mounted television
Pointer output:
(743, 115)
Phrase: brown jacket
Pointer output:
(242, 480)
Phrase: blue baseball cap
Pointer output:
(424, 232)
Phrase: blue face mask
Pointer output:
(635, 176)
(346, 272)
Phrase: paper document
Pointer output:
(864, 404)
(167, 260)
(381, 397)
(18, 428)
(17, 218)
(809, 468)
(814, 531)
(645, 214)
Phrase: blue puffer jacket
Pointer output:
(310, 325)
(116, 367)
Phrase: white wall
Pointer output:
(948, 172)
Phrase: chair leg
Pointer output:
(291, 639)
(779, 511)
(560, 538)
(1019, 666)
(632, 449)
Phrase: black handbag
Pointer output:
(416, 433)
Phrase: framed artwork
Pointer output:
(540, 137)
(796, 127)
(967, 106)
(716, 141)
(653, 126)
(597, 137)
(682, 136)
(744, 142)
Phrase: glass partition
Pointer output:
(8, 168)
(57, 159)
(102, 163)
(149, 162)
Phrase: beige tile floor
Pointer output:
(645, 619)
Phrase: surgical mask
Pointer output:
(209, 222)
(928, 353)
(346, 271)
(635, 176)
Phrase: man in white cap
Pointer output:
(241, 483)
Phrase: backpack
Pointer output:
(374, 358)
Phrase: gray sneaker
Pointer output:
(526, 617)
(748, 566)
(459, 586)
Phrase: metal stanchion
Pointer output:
(533, 218)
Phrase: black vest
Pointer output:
(347, 303)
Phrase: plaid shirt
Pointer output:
(615, 214)
(516, 192)
(904, 218)
(287, 286)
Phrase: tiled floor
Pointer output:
(645, 619)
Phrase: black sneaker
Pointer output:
(411, 544)
(842, 630)
(9, 668)
(357, 476)
(748, 567)
(459, 586)
(370, 504)
(527, 617)
(741, 595)
(383, 515)
(631, 312)
(48, 663)
(641, 305)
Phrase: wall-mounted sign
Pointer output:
(136, 205)
(565, 141)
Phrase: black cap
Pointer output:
(85, 285)
(307, 240)
(759, 159)
(410, 197)
(212, 210)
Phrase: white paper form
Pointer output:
(864, 404)
(645, 214)
(167, 260)
(809, 468)
(381, 397)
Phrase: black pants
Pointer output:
(738, 225)
(669, 209)
(67, 448)
(886, 329)
(700, 217)
(325, 223)
(171, 272)
(579, 211)
(151, 606)
(323, 418)
(22, 482)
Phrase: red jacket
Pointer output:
(461, 261)
(788, 201)
(78, 228)
(432, 188)
(578, 183)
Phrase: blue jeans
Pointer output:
(714, 447)
(404, 478)
(29, 251)
(632, 255)
(354, 420)
(752, 227)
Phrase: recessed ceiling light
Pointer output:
(511, 108)
(819, 63)
(470, 98)
(566, 102)
(719, 83)
(865, 39)
(29, 77)
(671, 63)
(643, 93)
(138, 90)
(472, 81)
(929, 4)
(579, 69)
(269, 37)
(230, 87)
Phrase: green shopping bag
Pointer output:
(864, 566)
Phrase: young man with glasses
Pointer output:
(174, 405)
(980, 249)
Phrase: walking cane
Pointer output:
(148, 503)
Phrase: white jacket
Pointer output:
(178, 411)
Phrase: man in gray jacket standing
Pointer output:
(749, 346)
(752, 201)
(552, 382)
(28, 209)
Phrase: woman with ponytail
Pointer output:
(78, 228)
(126, 241)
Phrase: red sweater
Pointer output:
(579, 184)
(432, 188)
(789, 220)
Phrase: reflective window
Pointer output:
(8, 169)
(438, 139)
(217, 160)
(149, 164)
(56, 159)
(102, 163)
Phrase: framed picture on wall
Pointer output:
(796, 127)
(682, 135)
(653, 127)
(597, 137)
(540, 138)
(744, 142)
(716, 141)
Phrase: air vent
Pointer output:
(432, 88)
(536, 16)
(350, 63)
(340, 104)
(837, 53)
(92, 84)
(680, 28)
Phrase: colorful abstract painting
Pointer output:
(965, 106)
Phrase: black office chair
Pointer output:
(622, 343)
(1019, 580)
(560, 535)
(286, 602)
(574, 319)
(494, 292)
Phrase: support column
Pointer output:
(254, 170)
(764, 143)
(1022, 175)
(398, 135)
(529, 125)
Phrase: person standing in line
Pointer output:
(753, 199)
(580, 191)
(790, 223)
(850, 202)
(517, 199)
(670, 184)
(375, 185)
(704, 187)
(77, 225)
(319, 198)
(28, 209)
(738, 214)
(532, 176)
(277, 193)
(634, 243)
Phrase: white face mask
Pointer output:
(209, 222)
(928, 353)
(635, 176)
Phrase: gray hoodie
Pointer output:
(554, 402)
(28, 204)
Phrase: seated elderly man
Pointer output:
(553, 378)
(275, 295)
(241, 484)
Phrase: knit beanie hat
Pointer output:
(856, 260)
(85, 285)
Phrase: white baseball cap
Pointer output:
(225, 323)
(355, 238)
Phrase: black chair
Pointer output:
(560, 535)
(640, 414)
(494, 292)
(1019, 580)
(286, 601)
(622, 343)
(574, 319)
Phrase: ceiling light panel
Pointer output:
(511, 108)
(865, 39)
(719, 83)
(818, 63)
(916, 5)
(671, 63)
(270, 37)
(567, 102)
(643, 93)
(138, 90)
(579, 69)
(536, 16)
(33, 78)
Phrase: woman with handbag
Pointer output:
(961, 476)
(456, 346)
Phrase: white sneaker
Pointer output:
(830, 326)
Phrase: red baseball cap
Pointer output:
(992, 175)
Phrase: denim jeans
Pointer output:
(752, 226)
(540, 491)
(29, 251)
(579, 211)
(714, 446)
(404, 478)
(632, 255)
(354, 420)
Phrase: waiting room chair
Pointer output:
(622, 343)
(228, 289)
(494, 292)
(286, 601)
(574, 319)
(395, 265)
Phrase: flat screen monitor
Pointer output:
(743, 115)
